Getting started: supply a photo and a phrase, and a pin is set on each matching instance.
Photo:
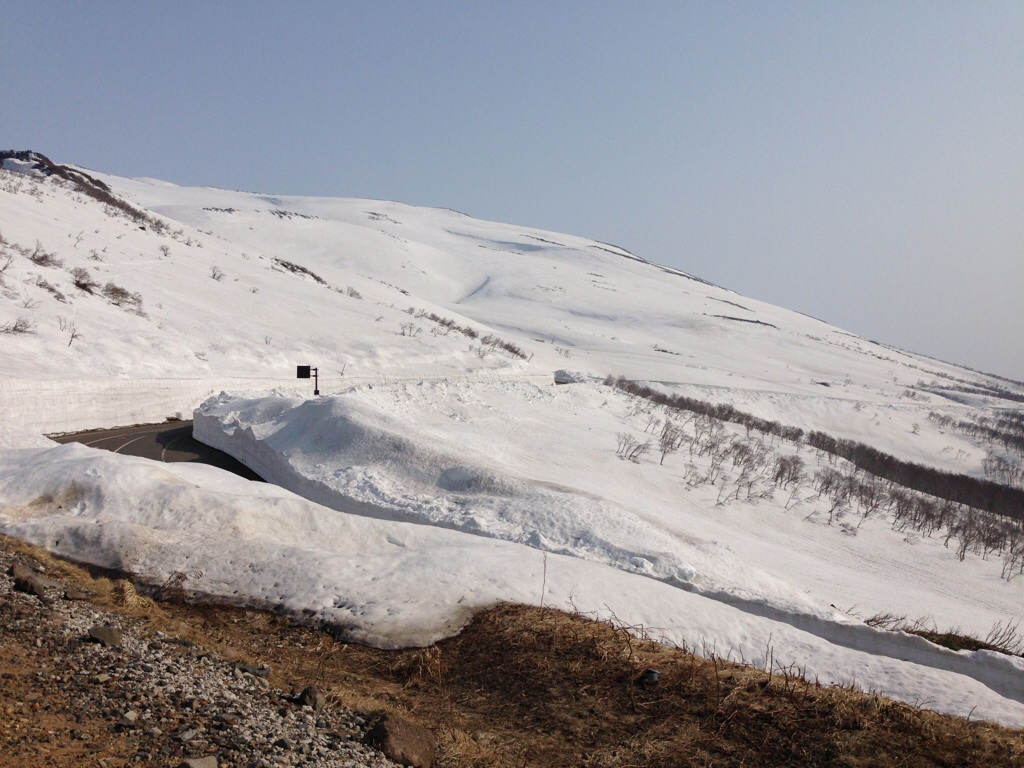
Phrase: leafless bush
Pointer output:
(630, 448)
(18, 325)
(46, 286)
(1006, 637)
(175, 587)
(837, 488)
(122, 297)
(5, 264)
(670, 440)
(788, 471)
(44, 258)
(1001, 470)
(298, 269)
(216, 273)
(82, 280)
(352, 292)
(1003, 637)
(70, 328)
(410, 329)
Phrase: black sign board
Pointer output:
(302, 372)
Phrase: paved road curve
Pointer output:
(171, 441)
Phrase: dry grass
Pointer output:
(1004, 637)
(533, 687)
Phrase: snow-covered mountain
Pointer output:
(444, 470)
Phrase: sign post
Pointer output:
(303, 371)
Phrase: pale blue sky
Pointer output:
(861, 162)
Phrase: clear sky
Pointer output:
(862, 162)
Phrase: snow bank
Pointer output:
(394, 584)
(72, 405)
(360, 458)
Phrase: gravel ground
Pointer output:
(75, 694)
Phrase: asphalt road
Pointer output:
(171, 441)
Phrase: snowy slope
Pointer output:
(446, 471)
(604, 311)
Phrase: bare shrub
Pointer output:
(630, 448)
(47, 286)
(175, 587)
(298, 269)
(18, 325)
(1006, 637)
(788, 470)
(122, 297)
(83, 281)
(70, 328)
(670, 440)
(44, 258)
(216, 273)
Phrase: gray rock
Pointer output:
(199, 762)
(403, 741)
(30, 569)
(252, 669)
(29, 585)
(312, 697)
(107, 635)
(648, 678)
(22, 570)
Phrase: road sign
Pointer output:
(303, 371)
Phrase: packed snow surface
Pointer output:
(443, 470)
